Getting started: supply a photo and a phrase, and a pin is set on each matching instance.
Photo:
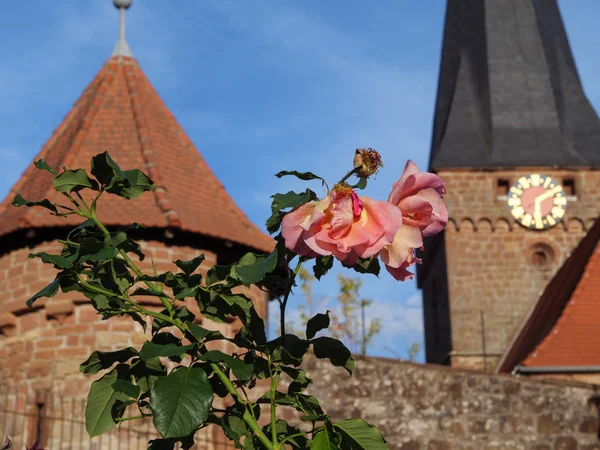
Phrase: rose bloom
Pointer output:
(419, 196)
(342, 225)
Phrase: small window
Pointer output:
(502, 187)
(569, 187)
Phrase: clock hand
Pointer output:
(548, 194)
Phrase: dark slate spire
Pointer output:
(509, 94)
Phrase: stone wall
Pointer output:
(427, 407)
(495, 268)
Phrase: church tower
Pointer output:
(518, 145)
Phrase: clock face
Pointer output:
(537, 201)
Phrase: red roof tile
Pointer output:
(120, 112)
(562, 328)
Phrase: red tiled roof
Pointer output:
(562, 328)
(120, 112)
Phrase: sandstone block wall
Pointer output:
(496, 268)
(427, 407)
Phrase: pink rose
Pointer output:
(418, 195)
(342, 225)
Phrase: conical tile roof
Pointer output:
(120, 112)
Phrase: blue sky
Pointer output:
(265, 84)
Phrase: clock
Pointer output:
(537, 201)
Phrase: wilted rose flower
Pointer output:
(367, 162)
(342, 225)
(418, 195)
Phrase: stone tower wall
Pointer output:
(495, 268)
(43, 347)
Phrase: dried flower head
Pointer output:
(367, 162)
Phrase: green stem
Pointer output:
(125, 419)
(140, 308)
(283, 303)
(248, 418)
(166, 301)
(348, 175)
(273, 395)
(289, 438)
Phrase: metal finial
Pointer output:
(122, 48)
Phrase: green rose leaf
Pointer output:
(151, 350)
(326, 438)
(20, 201)
(128, 184)
(362, 184)
(368, 265)
(188, 267)
(42, 165)
(243, 308)
(241, 370)
(317, 323)
(252, 268)
(137, 183)
(103, 401)
(127, 388)
(305, 176)
(286, 201)
(180, 402)
(103, 360)
(59, 261)
(322, 265)
(106, 170)
(92, 249)
(202, 334)
(335, 351)
(48, 291)
(74, 180)
(358, 434)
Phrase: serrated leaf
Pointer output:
(98, 361)
(180, 402)
(151, 350)
(42, 165)
(128, 184)
(48, 291)
(73, 181)
(241, 370)
(305, 176)
(335, 351)
(317, 323)
(58, 261)
(252, 268)
(138, 183)
(188, 267)
(358, 434)
(101, 402)
(20, 201)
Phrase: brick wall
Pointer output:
(43, 347)
(495, 269)
(428, 407)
